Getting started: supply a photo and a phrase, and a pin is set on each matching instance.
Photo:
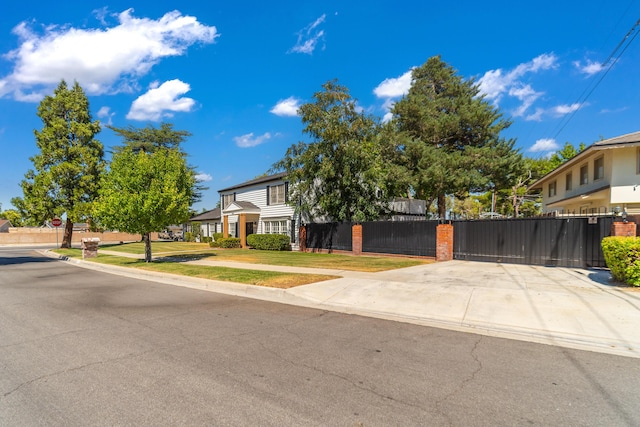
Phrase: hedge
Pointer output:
(269, 242)
(227, 243)
(622, 255)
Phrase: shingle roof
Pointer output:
(208, 215)
(255, 181)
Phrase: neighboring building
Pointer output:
(4, 225)
(604, 178)
(210, 222)
(258, 206)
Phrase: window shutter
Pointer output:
(268, 196)
(286, 191)
(234, 196)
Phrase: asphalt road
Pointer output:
(80, 347)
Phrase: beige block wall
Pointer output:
(28, 236)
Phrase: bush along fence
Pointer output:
(551, 241)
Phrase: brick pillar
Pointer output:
(444, 242)
(225, 227)
(243, 230)
(627, 229)
(356, 239)
(302, 238)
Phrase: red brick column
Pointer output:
(627, 229)
(444, 242)
(302, 238)
(356, 239)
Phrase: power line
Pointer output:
(612, 59)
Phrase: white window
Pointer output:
(568, 186)
(277, 194)
(598, 168)
(276, 227)
(227, 199)
(584, 175)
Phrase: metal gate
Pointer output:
(562, 242)
(400, 237)
(330, 236)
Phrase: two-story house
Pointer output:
(258, 206)
(604, 178)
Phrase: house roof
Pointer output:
(208, 215)
(239, 206)
(627, 140)
(260, 180)
(4, 222)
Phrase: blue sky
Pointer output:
(233, 73)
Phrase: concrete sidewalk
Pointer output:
(567, 307)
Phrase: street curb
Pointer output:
(277, 295)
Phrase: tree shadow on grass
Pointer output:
(183, 257)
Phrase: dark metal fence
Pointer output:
(400, 237)
(329, 236)
(563, 242)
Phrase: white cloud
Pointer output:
(561, 110)
(286, 107)
(102, 60)
(309, 37)
(543, 145)
(249, 140)
(495, 84)
(589, 68)
(394, 87)
(203, 177)
(161, 101)
(105, 113)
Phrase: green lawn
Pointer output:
(237, 275)
(295, 259)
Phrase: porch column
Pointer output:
(243, 230)
(225, 226)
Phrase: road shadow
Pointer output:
(24, 260)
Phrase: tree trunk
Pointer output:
(442, 206)
(147, 246)
(68, 233)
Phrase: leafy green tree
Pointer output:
(341, 173)
(13, 216)
(150, 138)
(145, 192)
(452, 136)
(70, 162)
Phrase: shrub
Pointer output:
(217, 236)
(227, 243)
(206, 239)
(269, 242)
(189, 237)
(622, 255)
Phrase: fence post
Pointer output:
(444, 242)
(302, 238)
(356, 239)
(623, 229)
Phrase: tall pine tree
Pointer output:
(450, 135)
(69, 164)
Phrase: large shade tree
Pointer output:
(340, 174)
(67, 168)
(451, 136)
(145, 192)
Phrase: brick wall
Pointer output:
(444, 242)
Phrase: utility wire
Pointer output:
(612, 59)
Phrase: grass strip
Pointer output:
(272, 279)
(286, 258)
